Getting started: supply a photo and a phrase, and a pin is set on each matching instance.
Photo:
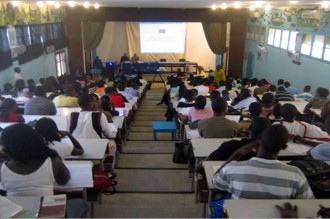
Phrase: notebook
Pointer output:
(9, 208)
(53, 206)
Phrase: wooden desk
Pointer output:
(64, 111)
(61, 121)
(248, 208)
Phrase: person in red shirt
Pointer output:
(116, 99)
(8, 111)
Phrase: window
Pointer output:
(285, 39)
(306, 44)
(327, 50)
(271, 33)
(292, 41)
(11, 34)
(60, 62)
(277, 38)
(317, 50)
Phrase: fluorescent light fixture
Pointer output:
(214, 7)
(15, 3)
(86, 4)
(237, 4)
(259, 4)
(268, 7)
(40, 4)
(293, 2)
(252, 8)
(224, 6)
(57, 5)
(96, 5)
(50, 2)
(71, 4)
(325, 4)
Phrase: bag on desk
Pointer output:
(317, 173)
(178, 156)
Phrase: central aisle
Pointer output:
(149, 183)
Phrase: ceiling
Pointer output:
(188, 3)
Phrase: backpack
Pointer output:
(101, 182)
(96, 122)
(317, 173)
(179, 154)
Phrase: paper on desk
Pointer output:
(8, 208)
(297, 148)
(81, 176)
(215, 168)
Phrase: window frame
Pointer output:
(59, 70)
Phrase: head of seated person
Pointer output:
(255, 109)
(272, 88)
(40, 91)
(289, 112)
(200, 102)
(273, 140)
(280, 89)
(111, 90)
(48, 129)
(322, 92)
(228, 85)
(219, 107)
(245, 93)
(88, 102)
(214, 94)
(189, 95)
(268, 100)
(258, 126)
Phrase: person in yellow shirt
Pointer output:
(220, 75)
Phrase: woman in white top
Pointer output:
(48, 129)
(243, 100)
(33, 167)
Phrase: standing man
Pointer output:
(17, 73)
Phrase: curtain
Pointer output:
(93, 33)
(133, 35)
(56, 34)
(5, 52)
(215, 34)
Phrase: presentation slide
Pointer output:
(162, 37)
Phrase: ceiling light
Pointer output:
(268, 7)
(237, 4)
(40, 4)
(71, 4)
(325, 4)
(50, 2)
(57, 5)
(96, 5)
(86, 4)
(252, 8)
(259, 4)
(15, 3)
(214, 7)
(224, 6)
(293, 2)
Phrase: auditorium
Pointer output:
(165, 109)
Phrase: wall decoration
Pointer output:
(29, 14)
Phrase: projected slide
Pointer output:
(162, 37)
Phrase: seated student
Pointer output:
(208, 83)
(8, 89)
(100, 88)
(222, 86)
(39, 105)
(283, 95)
(116, 99)
(67, 100)
(321, 151)
(264, 177)
(260, 89)
(122, 91)
(226, 149)
(33, 167)
(245, 119)
(198, 112)
(306, 130)
(268, 102)
(188, 99)
(8, 111)
(229, 88)
(272, 89)
(47, 128)
(107, 107)
(133, 89)
(225, 95)
(91, 123)
(218, 126)
(201, 88)
(320, 99)
(292, 90)
(306, 94)
(243, 100)
(213, 95)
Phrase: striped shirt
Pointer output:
(259, 178)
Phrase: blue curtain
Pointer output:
(5, 53)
